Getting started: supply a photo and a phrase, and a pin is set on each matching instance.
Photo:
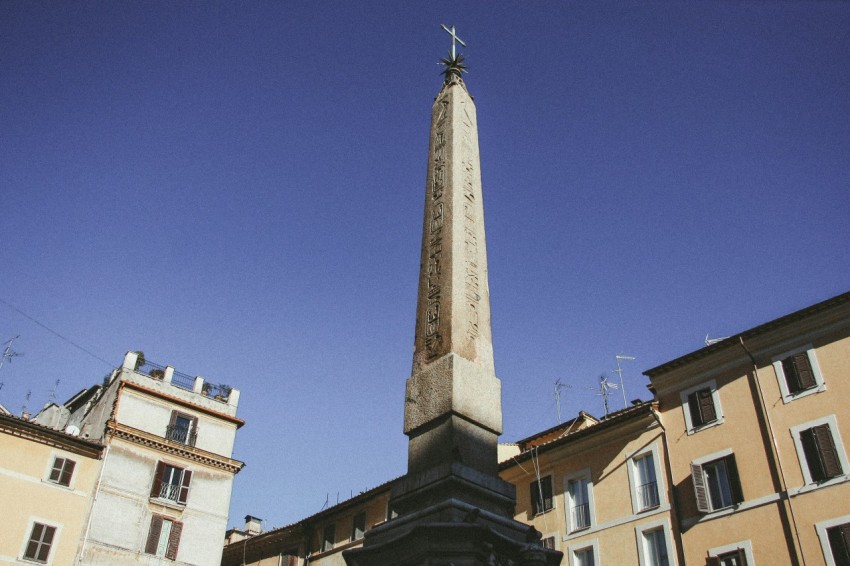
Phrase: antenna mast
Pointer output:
(558, 386)
(604, 390)
(8, 352)
(619, 371)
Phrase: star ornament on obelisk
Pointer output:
(452, 507)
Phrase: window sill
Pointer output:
(712, 424)
(820, 485)
(170, 503)
(791, 397)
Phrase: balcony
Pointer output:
(580, 516)
(181, 434)
(648, 496)
(168, 491)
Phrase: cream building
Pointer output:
(164, 492)
(46, 481)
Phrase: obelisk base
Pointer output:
(452, 514)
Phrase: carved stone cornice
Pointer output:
(161, 444)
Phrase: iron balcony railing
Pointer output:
(168, 491)
(181, 434)
(580, 516)
(648, 495)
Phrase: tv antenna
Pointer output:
(619, 370)
(8, 352)
(604, 390)
(710, 341)
(558, 387)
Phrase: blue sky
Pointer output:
(236, 189)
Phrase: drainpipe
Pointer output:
(674, 501)
(773, 458)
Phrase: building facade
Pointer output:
(758, 423)
(47, 478)
(164, 492)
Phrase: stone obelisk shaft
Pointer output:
(453, 403)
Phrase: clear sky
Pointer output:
(236, 189)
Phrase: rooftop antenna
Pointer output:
(710, 341)
(621, 357)
(604, 390)
(26, 401)
(558, 387)
(8, 352)
(53, 392)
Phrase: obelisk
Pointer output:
(452, 507)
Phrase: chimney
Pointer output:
(253, 525)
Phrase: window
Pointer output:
(583, 557)
(62, 470)
(171, 482)
(548, 542)
(716, 483)
(164, 537)
(839, 543)
(737, 554)
(358, 527)
(798, 373)
(701, 405)
(40, 542)
(733, 558)
(655, 548)
(646, 483)
(182, 428)
(541, 495)
(290, 557)
(820, 450)
(578, 492)
(328, 537)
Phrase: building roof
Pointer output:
(35, 432)
(616, 418)
(733, 341)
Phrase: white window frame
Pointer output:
(28, 533)
(652, 451)
(715, 398)
(744, 545)
(664, 525)
(821, 529)
(592, 545)
(707, 459)
(839, 448)
(787, 396)
(591, 507)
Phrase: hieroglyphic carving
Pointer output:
(471, 279)
(433, 338)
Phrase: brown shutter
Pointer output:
(535, 498)
(173, 419)
(712, 561)
(547, 493)
(699, 488)
(153, 534)
(193, 432)
(693, 407)
(706, 406)
(67, 472)
(805, 375)
(742, 557)
(734, 479)
(174, 540)
(185, 479)
(826, 449)
(156, 488)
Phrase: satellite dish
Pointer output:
(73, 430)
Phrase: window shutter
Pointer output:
(185, 479)
(174, 540)
(535, 498)
(156, 488)
(699, 488)
(67, 472)
(153, 535)
(173, 420)
(693, 407)
(706, 406)
(826, 448)
(839, 542)
(734, 479)
(547, 493)
(803, 369)
(712, 561)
